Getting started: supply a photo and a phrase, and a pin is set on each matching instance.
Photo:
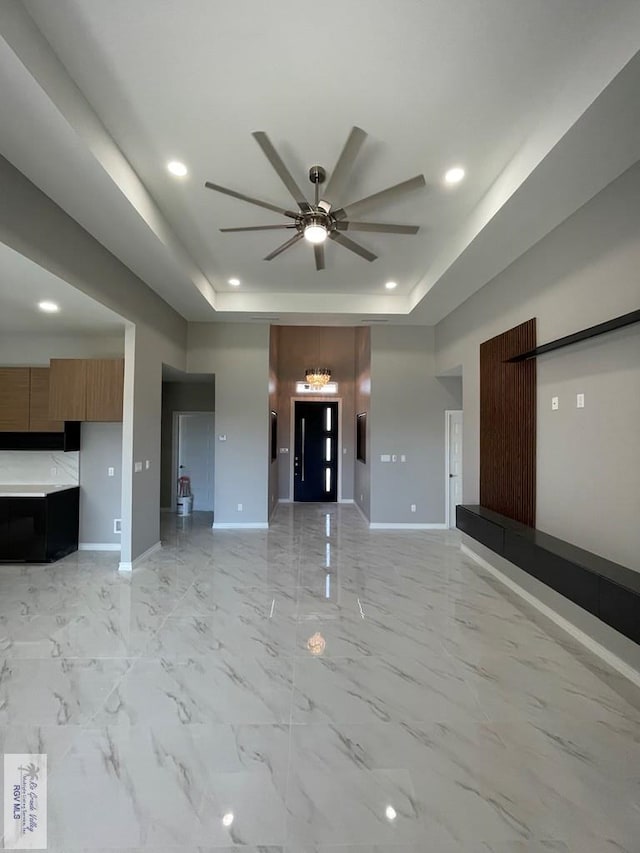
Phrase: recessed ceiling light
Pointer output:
(234, 282)
(177, 168)
(227, 819)
(454, 175)
(48, 307)
(390, 813)
(391, 285)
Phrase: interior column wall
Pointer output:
(238, 354)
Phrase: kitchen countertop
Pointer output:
(31, 491)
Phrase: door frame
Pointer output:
(292, 439)
(447, 479)
(175, 431)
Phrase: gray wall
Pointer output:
(301, 347)
(238, 354)
(274, 406)
(100, 495)
(32, 350)
(408, 404)
(362, 478)
(588, 461)
(179, 397)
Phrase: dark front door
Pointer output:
(315, 471)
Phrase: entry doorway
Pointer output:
(453, 457)
(193, 456)
(316, 468)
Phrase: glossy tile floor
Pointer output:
(317, 687)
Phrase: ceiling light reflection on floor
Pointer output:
(316, 644)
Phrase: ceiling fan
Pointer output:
(315, 222)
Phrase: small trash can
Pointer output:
(185, 505)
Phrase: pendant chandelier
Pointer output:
(317, 377)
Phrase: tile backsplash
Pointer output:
(46, 467)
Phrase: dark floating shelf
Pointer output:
(585, 334)
(67, 440)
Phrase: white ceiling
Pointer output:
(497, 86)
(23, 284)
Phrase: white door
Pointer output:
(454, 464)
(195, 456)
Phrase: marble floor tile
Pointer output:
(314, 688)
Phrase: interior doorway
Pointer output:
(316, 450)
(453, 457)
(193, 456)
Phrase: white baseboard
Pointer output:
(128, 567)
(284, 500)
(578, 634)
(383, 525)
(243, 525)
(99, 546)
(346, 501)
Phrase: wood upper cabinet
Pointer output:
(68, 389)
(86, 389)
(39, 420)
(14, 399)
(105, 387)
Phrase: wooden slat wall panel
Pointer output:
(508, 425)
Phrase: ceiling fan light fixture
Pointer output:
(315, 233)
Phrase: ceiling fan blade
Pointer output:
(257, 228)
(283, 173)
(318, 251)
(382, 197)
(284, 247)
(382, 227)
(342, 168)
(251, 200)
(352, 246)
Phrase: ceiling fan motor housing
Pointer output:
(317, 175)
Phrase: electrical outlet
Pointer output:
(284, 450)
(117, 525)
(555, 404)
(394, 457)
(580, 401)
(111, 472)
(222, 436)
(147, 464)
(239, 507)
(413, 507)
(403, 457)
(385, 457)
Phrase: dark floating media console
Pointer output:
(584, 335)
(607, 590)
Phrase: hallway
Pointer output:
(314, 687)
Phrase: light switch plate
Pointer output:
(222, 436)
(580, 401)
(284, 450)
(137, 467)
(555, 404)
(385, 457)
(147, 464)
(403, 457)
(111, 472)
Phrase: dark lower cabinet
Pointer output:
(39, 529)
